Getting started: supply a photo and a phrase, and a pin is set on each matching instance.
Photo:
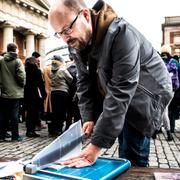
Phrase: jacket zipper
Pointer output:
(147, 91)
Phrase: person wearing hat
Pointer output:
(60, 80)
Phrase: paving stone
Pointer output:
(153, 159)
(167, 149)
(177, 156)
(152, 150)
(171, 158)
(174, 148)
(152, 155)
(173, 164)
(161, 156)
(163, 165)
(153, 164)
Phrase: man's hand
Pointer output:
(88, 128)
(87, 157)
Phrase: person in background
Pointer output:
(1, 57)
(173, 110)
(12, 75)
(34, 95)
(7, 135)
(116, 61)
(47, 102)
(38, 58)
(60, 80)
(176, 57)
(177, 92)
(39, 124)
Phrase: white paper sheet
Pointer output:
(10, 168)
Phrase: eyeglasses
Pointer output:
(68, 30)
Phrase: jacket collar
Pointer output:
(102, 15)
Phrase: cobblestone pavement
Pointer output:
(163, 153)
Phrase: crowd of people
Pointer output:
(124, 88)
(172, 112)
(31, 94)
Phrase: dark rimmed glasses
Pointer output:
(68, 30)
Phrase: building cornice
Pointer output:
(23, 17)
(45, 3)
(40, 7)
(170, 24)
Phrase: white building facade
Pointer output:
(24, 22)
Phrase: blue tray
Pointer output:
(103, 169)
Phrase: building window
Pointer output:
(177, 40)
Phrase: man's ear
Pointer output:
(86, 14)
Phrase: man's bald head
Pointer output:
(61, 8)
(71, 20)
(72, 5)
(75, 5)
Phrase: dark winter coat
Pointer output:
(130, 75)
(34, 91)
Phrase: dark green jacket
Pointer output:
(12, 76)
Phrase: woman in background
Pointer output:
(60, 80)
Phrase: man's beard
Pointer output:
(84, 44)
(80, 47)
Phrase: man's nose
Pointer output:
(66, 38)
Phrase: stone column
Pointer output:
(7, 35)
(42, 41)
(29, 43)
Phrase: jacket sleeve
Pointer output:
(20, 73)
(120, 88)
(68, 76)
(40, 84)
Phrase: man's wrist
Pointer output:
(94, 148)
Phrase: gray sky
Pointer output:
(146, 15)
